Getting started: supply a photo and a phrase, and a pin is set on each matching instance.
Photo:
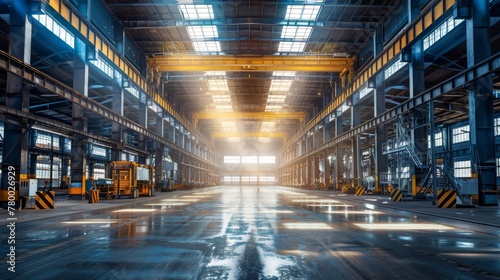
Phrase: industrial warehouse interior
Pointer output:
(213, 139)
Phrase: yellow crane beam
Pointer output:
(309, 63)
(271, 116)
(236, 134)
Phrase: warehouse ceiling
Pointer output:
(250, 69)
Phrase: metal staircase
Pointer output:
(445, 178)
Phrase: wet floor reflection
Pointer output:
(251, 233)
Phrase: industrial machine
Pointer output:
(106, 187)
(132, 179)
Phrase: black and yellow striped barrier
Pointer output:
(360, 190)
(397, 195)
(44, 200)
(447, 199)
(322, 187)
(94, 196)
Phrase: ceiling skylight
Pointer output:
(218, 85)
(228, 126)
(291, 46)
(284, 73)
(280, 85)
(221, 98)
(274, 108)
(206, 46)
(267, 126)
(299, 33)
(224, 107)
(202, 32)
(276, 98)
(215, 73)
(302, 12)
(197, 11)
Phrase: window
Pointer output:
(268, 179)
(46, 141)
(302, 12)
(462, 169)
(249, 159)
(99, 151)
(57, 29)
(197, 11)
(99, 173)
(298, 33)
(438, 137)
(231, 159)
(43, 168)
(395, 67)
(497, 126)
(441, 31)
(267, 159)
(365, 91)
(498, 166)
(103, 66)
(460, 134)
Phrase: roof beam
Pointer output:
(308, 63)
(237, 134)
(338, 25)
(272, 116)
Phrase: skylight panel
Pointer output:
(276, 98)
(291, 46)
(215, 73)
(299, 33)
(273, 108)
(284, 73)
(228, 126)
(202, 32)
(224, 108)
(218, 85)
(302, 12)
(267, 126)
(280, 85)
(197, 11)
(221, 98)
(206, 46)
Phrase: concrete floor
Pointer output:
(253, 233)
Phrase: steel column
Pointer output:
(481, 111)
(15, 146)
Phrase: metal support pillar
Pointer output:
(143, 121)
(15, 146)
(327, 172)
(117, 106)
(79, 145)
(380, 130)
(356, 142)
(481, 112)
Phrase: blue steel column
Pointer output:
(143, 121)
(117, 106)
(159, 152)
(356, 142)
(15, 146)
(481, 117)
(380, 130)
(78, 145)
(339, 153)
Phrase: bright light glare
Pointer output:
(368, 212)
(328, 205)
(180, 199)
(167, 204)
(307, 226)
(275, 212)
(316, 200)
(94, 221)
(136, 210)
(403, 226)
(298, 253)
